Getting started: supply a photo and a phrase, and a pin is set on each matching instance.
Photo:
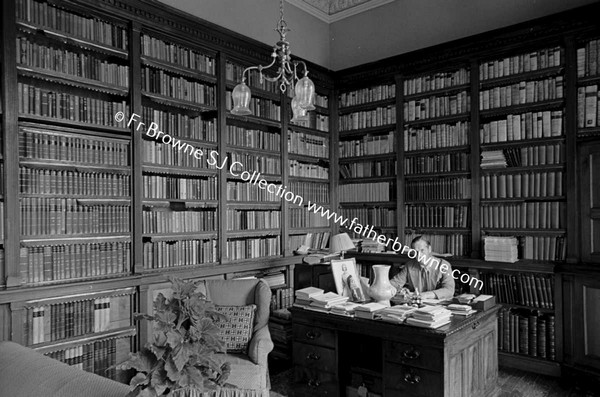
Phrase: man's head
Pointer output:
(422, 246)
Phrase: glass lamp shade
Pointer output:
(305, 92)
(298, 113)
(340, 242)
(241, 99)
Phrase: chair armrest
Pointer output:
(260, 346)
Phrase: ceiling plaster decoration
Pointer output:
(335, 10)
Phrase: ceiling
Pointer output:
(335, 10)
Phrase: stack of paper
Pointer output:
(429, 317)
(326, 301)
(344, 309)
(395, 314)
(368, 310)
(501, 249)
(369, 245)
(462, 311)
(304, 296)
(493, 159)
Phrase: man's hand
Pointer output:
(428, 295)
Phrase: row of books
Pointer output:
(457, 244)
(364, 169)
(233, 72)
(367, 95)
(317, 241)
(547, 248)
(501, 248)
(49, 16)
(383, 217)
(58, 321)
(437, 136)
(528, 289)
(49, 216)
(178, 154)
(588, 106)
(173, 187)
(282, 298)
(301, 218)
(47, 102)
(259, 107)
(378, 191)
(588, 59)
(308, 144)
(161, 82)
(522, 93)
(99, 184)
(50, 145)
(538, 215)
(522, 63)
(305, 170)
(251, 220)
(182, 125)
(177, 55)
(367, 118)
(494, 159)
(526, 156)
(255, 139)
(321, 100)
(451, 188)
(459, 161)
(34, 55)
(368, 145)
(165, 254)
(368, 245)
(315, 121)
(516, 127)
(316, 192)
(453, 216)
(527, 333)
(243, 191)
(97, 357)
(254, 162)
(73, 261)
(437, 106)
(253, 248)
(161, 220)
(531, 184)
(436, 81)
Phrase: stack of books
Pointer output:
(368, 310)
(344, 309)
(369, 245)
(461, 311)
(274, 279)
(395, 314)
(493, 159)
(430, 317)
(305, 295)
(324, 302)
(501, 249)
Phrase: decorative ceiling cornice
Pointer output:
(334, 10)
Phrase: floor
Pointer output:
(511, 383)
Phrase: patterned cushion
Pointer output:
(236, 332)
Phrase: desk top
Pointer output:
(384, 328)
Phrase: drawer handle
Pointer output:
(412, 378)
(475, 325)
(411, 354)
(312, 335)
(314, 383)
(313, 356)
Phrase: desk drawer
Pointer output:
(310, 383)
(316, 357)
(414, 355)
(314, 335)
(404, 380)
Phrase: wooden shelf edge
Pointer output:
(85, 339)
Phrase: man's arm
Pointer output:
(399, 280)
(446, 290)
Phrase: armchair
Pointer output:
(249, 373)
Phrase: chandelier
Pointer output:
(287, 76)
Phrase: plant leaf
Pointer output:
(143, 361)
(149, 392)
(159, 381)
(182, 355)
(172, 371)
(174, 338)
(192, 377)
(139, 379)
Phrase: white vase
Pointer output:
(382, 290)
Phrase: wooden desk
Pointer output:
(459, 359)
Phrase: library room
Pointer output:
(273, 198)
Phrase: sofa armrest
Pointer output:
(260, 346)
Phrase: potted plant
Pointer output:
(179, 361)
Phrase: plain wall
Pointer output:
(257, 19)
(407, 25)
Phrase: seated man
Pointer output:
(431, 276)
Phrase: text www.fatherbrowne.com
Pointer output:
(236, 169)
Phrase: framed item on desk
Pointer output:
(347, 281)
